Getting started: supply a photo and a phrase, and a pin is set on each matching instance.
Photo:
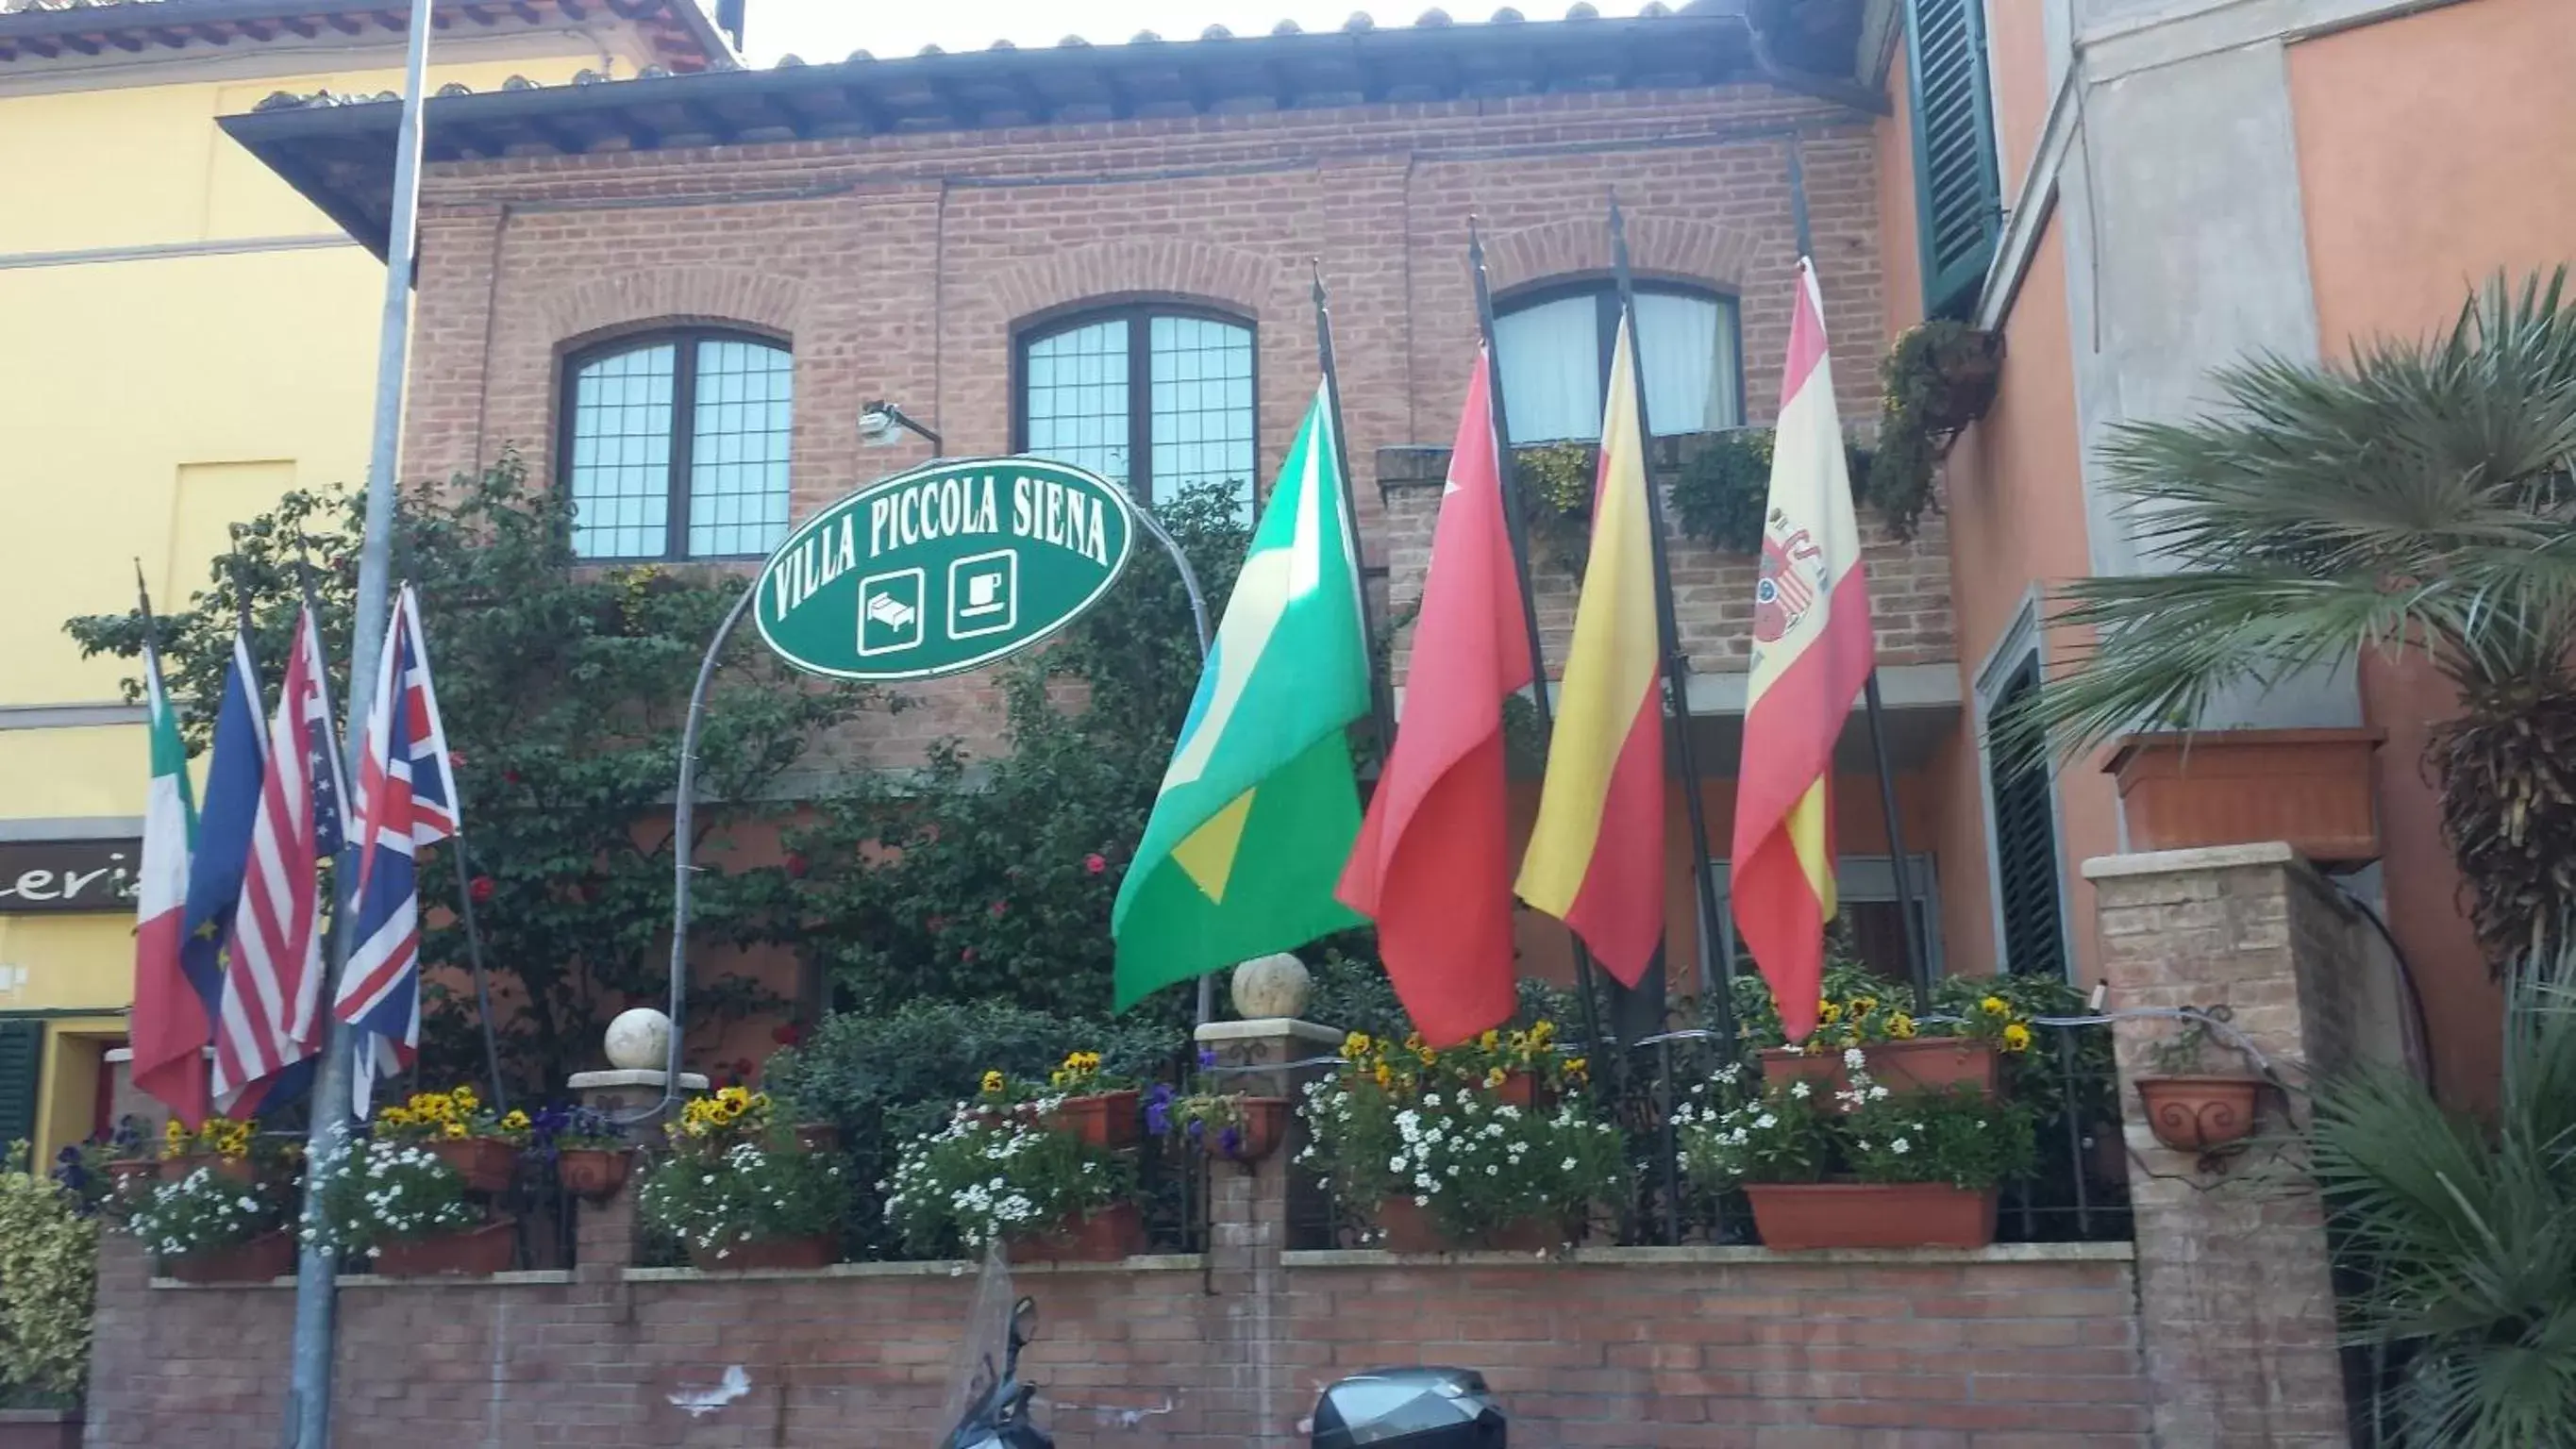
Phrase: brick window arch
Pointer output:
(1552, 343)
(675, 444)
(1157, 396)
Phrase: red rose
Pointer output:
(511, 776)
(1095, 862)
(795, 865)
(456, 759)
(1000, 906)
(967, 955)
(480, 889)
(745, 1066)
(787, 1033)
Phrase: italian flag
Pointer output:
(1812, 652)
(169, 1029)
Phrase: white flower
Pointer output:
(1569, 1165)
(1900, 1147)
(1766, 1121)
(1853, 1060)
(1799, 1089)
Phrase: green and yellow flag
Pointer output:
(1259, 808)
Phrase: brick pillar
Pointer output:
(2236, 1302)
(604, 1233)
(117, 1409)
(1258, 1390)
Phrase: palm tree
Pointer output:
(2415, 496)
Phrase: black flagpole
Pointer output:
(1917, 951)
(1517, 526)
(1381, 698)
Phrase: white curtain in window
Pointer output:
(1551, 366)
(1689, 348)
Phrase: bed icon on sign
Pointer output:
(983, 594)
(890, 612)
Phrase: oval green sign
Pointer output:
(943, 569)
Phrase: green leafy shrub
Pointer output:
(1723, 492)
(48, 1277)
(988, 1175)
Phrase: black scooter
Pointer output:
(997, 1412)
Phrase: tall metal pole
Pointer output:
(1516, 524)
(1918, 953)
(1676, 663)
(1381, 695)
(309, 1403)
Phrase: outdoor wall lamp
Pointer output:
(880, 420)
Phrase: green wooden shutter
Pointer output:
(2034, 942)
(22, 1061)
(1958, 198)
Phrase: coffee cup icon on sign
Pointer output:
(983, 594)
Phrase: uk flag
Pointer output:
(406, 799)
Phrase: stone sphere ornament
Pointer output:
(639, 1040)
(1271, 986)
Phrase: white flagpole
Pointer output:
(309, 1402)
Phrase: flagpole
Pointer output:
(1517, 526)
(1676, 663)
(464, 894)
(309, 1404)
(1917, 951)
(1381, 694)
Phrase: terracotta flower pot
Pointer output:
(1104, 1235)
(486, 1163)
(1103, 1119)
(593, 1171)
(1411, 1229)
(133, 1172)
(2195, 1114)
(1799, 1215)
(1930, 1063)
(225, 1169)
(2310, 787)
(270, 1255)
(1519, 1089)
(1265, 1126)
(480, 1251)
(818, 1251)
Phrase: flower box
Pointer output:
(818, 1251)
(266, 1257)
(1264, 1127)
(1927, 1063)
(132, 1172)
(1102, 1119)
(228, 1169)
(480, 1252)
(2310, 787)
(593, 1172)
(1104, 1235)
(1415, 1230)
(2197, 1114)
(1795, 1216)
(488, 1164)
(40, 1428)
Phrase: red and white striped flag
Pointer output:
(273, 984)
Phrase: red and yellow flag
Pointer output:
(1596, 856)
(1812, 652)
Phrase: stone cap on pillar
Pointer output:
(632, 1077)
(1267, 1029)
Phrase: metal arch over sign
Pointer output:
(943, 569)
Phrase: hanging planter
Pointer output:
(486, 1163)
(1797, 1216)
(818, 1250)
(593, 1172)
(1104, 1235)
(2200, 1113)
(476, 1252)
(259, 1260)
(1937, 377)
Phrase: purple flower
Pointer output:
(1230, 1141)
(1207, 1058)
(1198, 1129)
(1158, 1110)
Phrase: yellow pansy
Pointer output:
(1490, 1040)
(1994, 1006)
(1901, 1027)
(515, 1121)
(1496, 1077)
(1356, 1044)
(993, 1083)
(2016, 1038)
(1385, 1075)
(452, 1130)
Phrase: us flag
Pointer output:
(271, 1015)
(406, 799)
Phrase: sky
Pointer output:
(826, 30)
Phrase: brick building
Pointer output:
(1103, 253)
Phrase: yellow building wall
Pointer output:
(148, 403)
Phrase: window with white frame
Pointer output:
(1552, 346)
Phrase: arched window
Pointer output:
(676, 446)
(1553, 349)
(1157, 397)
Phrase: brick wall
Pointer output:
(2233, 1270)
(1909, 580)
(899, 267)
(2013, 1348)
